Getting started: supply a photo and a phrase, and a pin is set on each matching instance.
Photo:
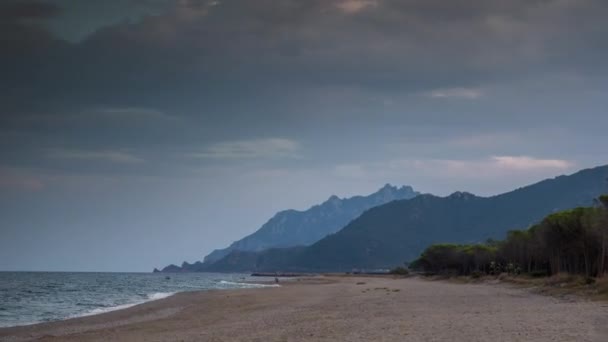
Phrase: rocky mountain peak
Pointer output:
(462, 194)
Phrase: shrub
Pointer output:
(538, 274)
(399, 271)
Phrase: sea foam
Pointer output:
(246, 285)
(150, 297)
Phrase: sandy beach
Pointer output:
(341, 309)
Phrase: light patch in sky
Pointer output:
(489, 169)
(354, 6)
(107, 155)
(493, 167)
(132, 112)
(459, 93)
(530, 163)
(13, 179)
(257, 148)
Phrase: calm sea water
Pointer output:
(34, 297)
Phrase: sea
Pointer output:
(36, 297)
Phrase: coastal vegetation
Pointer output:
(571, 242)
(402, 271)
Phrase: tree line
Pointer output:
(572, 241)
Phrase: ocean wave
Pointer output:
(102, 310)
(150, 297)
(247, 285)
(160, 295)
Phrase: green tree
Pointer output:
(603, 229)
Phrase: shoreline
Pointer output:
(331, 308)
(121, 315)
(222, 285)
(102, 311)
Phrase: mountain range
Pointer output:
(389, 234)
(291, 228)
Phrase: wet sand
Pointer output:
(341, 309)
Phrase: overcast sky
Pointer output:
(138, 133)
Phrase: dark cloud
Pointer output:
(19, 10)
(20, 29)
(219, 46)
(229, 68)
(25, 46)
(204, 54)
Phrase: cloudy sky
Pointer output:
(138, 133)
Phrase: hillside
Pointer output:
(398, 231)
(302, 228)
(291, 228)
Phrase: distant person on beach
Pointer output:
(276, 280)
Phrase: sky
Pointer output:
(139, 133)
